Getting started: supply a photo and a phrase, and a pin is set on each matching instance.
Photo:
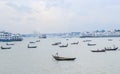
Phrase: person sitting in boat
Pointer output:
(57, 54)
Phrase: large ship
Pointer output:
(8, 37)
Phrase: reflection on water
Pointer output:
(23, 60)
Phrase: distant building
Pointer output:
(103, 33)
(74, 34)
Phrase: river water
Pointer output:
(22, 60)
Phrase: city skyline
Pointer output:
(58, 16)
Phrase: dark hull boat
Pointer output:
(103, 50)
(75, 43)
(5, 47)
(38, 41)
(57, 43)
(9, 44)
(87, 40)
(111, 49)
(63, 58)
(64, 45)
(31, 42)
(31, 46)
(91, 44)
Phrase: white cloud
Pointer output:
(57, 15)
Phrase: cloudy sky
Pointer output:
(51, 16)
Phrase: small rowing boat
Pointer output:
(31, 46)
(63, 58)
(5, 47)
(64, 45)
(98, 50)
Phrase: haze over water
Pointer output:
(23, 60)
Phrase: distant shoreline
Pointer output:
(97, 36)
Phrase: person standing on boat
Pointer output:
(57, 54)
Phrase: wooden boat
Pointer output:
(91, 44)
(31, 46)
(5, 47)
(38, 41)
(58, 58)
(102, 50)
(31, 42)
(111, 49)
(75, 43)
(87, 40)
(64, 45)
(9, 44)
(57, 43)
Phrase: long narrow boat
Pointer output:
(31, 42)
(102, 50)
(87, 40)
(75, 43)
(9, 44)
(64, 45)
(5, 47)
(37, 40)
(31, 46)
(57, 43)
(91, 44)
(111, 49)
(58, 58)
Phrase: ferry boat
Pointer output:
(8, 37)
(43, 36)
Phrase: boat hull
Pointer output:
(63, 58)
(91, 44)
(32, 46)
(5, 47)
(97, 50)
(111, 49)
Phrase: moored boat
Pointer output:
(75, 43)
(87, 40)
(5, 47)
(31, 42)
(111, 49)
(57, 43)
(37, 40)
(9, 44)
(64, 45)
(31, 46)
(58, 58)
(98, 50)
(90, 44)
